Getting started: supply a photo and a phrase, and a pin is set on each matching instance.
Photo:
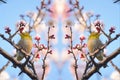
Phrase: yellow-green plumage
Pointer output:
(25, 43)
(94, 43)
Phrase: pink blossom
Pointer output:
(22, 23)
(98, 23)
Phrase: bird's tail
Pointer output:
(19, 57)
(100, 57)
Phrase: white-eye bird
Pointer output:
(26, 44)
(94, 43)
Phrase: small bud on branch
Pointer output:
(7, 30)
(112, 30)
(67, 36)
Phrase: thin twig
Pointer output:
(75, 59)
(4, 67)
(115, 67)
(44, 59)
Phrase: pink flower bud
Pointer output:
(21, 29)
(82, 55)
(82, 37)
(69, 51)
(67, 36)
(112, 30)
(38, 56)
(98, 23)
(52, 37)
(7, 30)
(98, 29)
(50, 51)
(37, 38)
(22, 23)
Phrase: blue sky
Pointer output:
(9, 15)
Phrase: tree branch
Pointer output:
(3, 1)
(14, 61)
(13, 44)
(44, 59)
(75, 59)
(100, 64)
(115, 67)
(116, 1)
(107, 43)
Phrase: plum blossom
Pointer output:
(22, 26)
(97, 25)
